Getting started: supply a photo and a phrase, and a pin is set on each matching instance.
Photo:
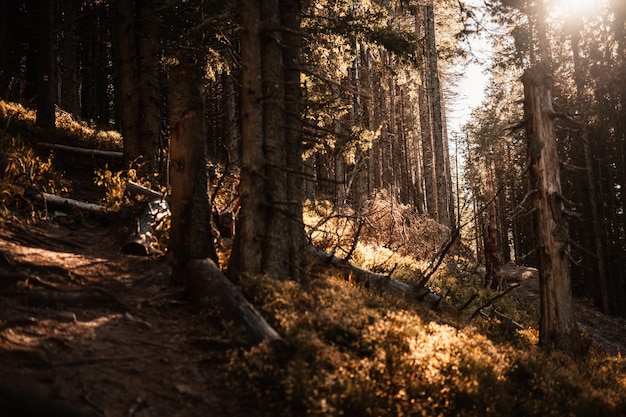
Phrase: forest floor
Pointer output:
(88, 331)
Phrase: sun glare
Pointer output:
(575, 7)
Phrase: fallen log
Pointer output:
(135, 188)
(64, 202)
(378, 283)
(141, 241)
(206, 282)
(83, 151)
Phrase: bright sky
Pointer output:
(471, 87)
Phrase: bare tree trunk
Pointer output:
(434, 92)
(270, 230)
(598, 228)
(247, 254)
(148, 83)
(45, 70)
(190, 233)
(127, 74)
(70, 78)
(293, 137)
(137, 50)
(557, 327)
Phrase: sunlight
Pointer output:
(565, 8)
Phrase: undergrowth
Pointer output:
(352, 353)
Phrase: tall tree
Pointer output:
(138, 59)
(557, 326)
(190, 234)
(269, 238)
(46, 84)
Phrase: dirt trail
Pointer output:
(85, 330)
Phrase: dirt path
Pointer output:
(87, 331)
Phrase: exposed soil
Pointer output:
(85, 330)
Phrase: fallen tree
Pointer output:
(206, 282)
(142, 240)
(83, 151)
(378, 283)
(64, 202)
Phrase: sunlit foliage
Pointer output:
(352, 353)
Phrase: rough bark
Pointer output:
(148, 84)
(127, 74)
(493, 262)
(434, 92)
(293, 137)
(269, 234)
(558, 328)
(70, 79)
(45, 67)
(190, 233)
(137, 50)
(247, 255)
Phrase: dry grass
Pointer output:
(17, 120)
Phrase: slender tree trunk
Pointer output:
(598, 227)
(290, 11)
(46, 84)
(557, 327)
(270, 230)
(70, 75)
(128, 74)
(434, 92)
(148, 84)
(190, 233)
(247, 254)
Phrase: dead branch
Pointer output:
(63, 202)
(83, 151)
(497, 297)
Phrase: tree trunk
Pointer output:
(190, 233)
(557, 327)
(148, 84)
(138, 60)
(46, 64)
(70, 75)
(293, 137)
(434, 92)
(127, 74)
(270, 232)
(247, 254)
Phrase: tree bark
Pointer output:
(45, 70)
(558, 328)
(269, 233)
(70, 79)
(190, 233)
(137, 49)
(247, 254)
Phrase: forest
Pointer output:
(268, 207)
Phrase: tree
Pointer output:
(557, 326)
(270, 233)
(138, 61)
(46, 80)
(190, 234)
